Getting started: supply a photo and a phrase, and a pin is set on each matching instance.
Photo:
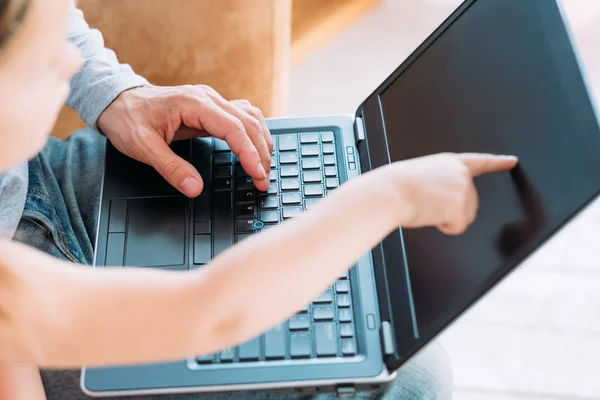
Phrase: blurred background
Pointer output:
(537, 335)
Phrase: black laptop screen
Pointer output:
(501, 79)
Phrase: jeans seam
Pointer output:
(57, 236)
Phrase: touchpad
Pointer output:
(156, 232)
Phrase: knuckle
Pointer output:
(188, 88)
(254, 124)
(170, 168)
(207, 89)
(256, 112)
(238, 127)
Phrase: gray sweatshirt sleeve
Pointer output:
(102, 78)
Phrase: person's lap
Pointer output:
(60, 218)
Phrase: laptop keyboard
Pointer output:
(303, 171)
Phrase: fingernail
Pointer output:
(267, 182)
(189, 186)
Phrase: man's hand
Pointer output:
(142, 122)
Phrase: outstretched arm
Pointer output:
(60, 315)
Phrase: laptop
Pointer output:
(498, 76)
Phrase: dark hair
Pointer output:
(12, 14)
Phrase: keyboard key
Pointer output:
(323, 313)
(332, 183)
(351, 159)
(311, 163)
(245, 196)
(273, 163)
(222, 222)
(303, 310)
(245, 225)
(223, 159)
(223, 171)
(202, 228)
(291, 212)
(250, 351)
(325, 297)
(327, 137)
(329, 160)
(348, 347)
(206, 359)
(202, 250)
(202, 208)
(273, 175)
(312, 177)
(269, 217)
(310, 150)
(227, 355)
(222, 184)
(331, 172)
(275, 147)
(239, 171)
(275, 343)
(288, 142)
(328, 149)
(273, 188)
(290, 171)
(244, 183)
(343, 300)
(346, 330)
(290, 184)
(310, 203)
(239, 238)
(299, 323)
(269, 202)
(202, 149)
(300, 346)
(221, 145)
(291, 198)
(309, 137)
(245, 210)
(345, 315)
(313, 190)
(326, 339)
(288, 158)
(344, 275)
(342, 287)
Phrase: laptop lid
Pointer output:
(497, 76)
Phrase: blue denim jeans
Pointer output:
(60, 218)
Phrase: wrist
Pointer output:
(396, 192)
(119, 108)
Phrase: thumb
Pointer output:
(178, 172)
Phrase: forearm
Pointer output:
(112, 316)
(20, 382)
(102, 77)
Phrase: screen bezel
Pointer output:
(396, 306)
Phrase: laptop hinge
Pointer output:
(387, 338)
(345, 392)
(359, 129)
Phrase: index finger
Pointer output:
(206, 115)
(480, 164)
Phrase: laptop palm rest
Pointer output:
(155, 235)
